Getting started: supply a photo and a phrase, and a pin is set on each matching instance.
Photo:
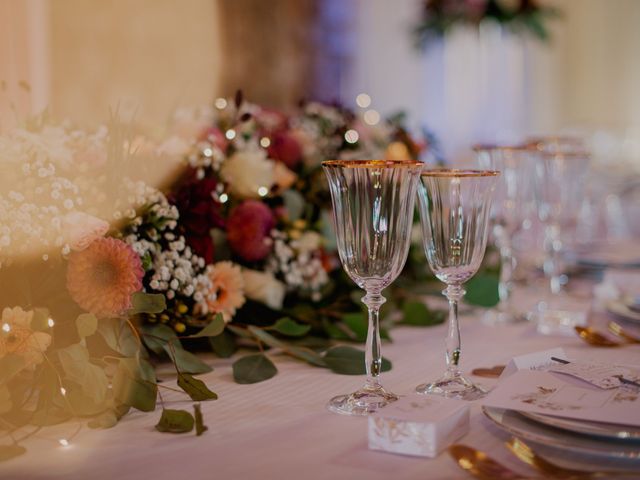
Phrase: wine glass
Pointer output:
(373, 204)
(507, 217)
(454, 214)
(559, 182)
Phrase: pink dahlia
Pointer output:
(248, 230)
(102, 277)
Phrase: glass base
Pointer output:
(453, 386)
(502, 317)
(367, 400)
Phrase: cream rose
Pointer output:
(18, 338)
(247, 171)
(263, 287)
(80, 229)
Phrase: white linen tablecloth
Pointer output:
(279, 429)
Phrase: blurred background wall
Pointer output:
(80, 57)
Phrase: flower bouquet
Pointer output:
(103, 275)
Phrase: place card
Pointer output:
(418, 425)
(599, 374)
(563, 396)
(532, 361)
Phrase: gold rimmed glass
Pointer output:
(559, 180)
(373, 203)
(454, 213)
(512, 199)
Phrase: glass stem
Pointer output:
(373, 355)
(453, 293)
(553, 248)
(507, 266)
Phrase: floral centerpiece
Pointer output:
(103, 275)
(440, 16)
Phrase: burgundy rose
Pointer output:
(248, 230)
(286, 148)
(199, 213)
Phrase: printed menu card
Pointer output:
(562, 395)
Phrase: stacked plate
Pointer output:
(627, 308)
(573, 443)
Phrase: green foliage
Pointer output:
(156, 336)
(40, 320)
(134, 384)
(224, 345)
(105, 420)
(186, 362)
(86, 324)
(349, 361)
(214, 327)
(175, 421)
(286, 326)
(482, 290)
(195, 388)
(253, 369)
(418, 314)
(90, 379)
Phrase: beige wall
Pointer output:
(589, 75)
(82, 57)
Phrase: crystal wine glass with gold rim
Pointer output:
(454, 213)
(373, 203)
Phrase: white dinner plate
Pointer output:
(621, 309)
(535, 432)
(605, 430)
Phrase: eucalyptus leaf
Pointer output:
(266, 337)
(7, 452)
(214, 328)
(78, 368)
(306, 354)
(200, 426)
(186, 362)
(241, 332)
(155, 337)
(349, 361)
(224, 345)
(175, 421)
(134, 384)
(482, 290)
(253, 369)
(417, 314)
(358, 323)
(86, 324)
(147, 303)
(286, 326)
(195, 388)
(118, 336)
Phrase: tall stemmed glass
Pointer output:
(373, 204)
(507, 215)
(559, 186)
(454, 213)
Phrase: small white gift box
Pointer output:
(419, 425)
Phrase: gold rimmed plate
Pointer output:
(585, 427)
(577, 443)
(622, 309)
